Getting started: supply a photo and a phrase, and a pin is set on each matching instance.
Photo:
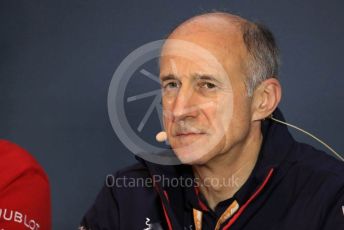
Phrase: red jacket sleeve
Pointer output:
(24, 190)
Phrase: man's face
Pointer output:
(206, 110)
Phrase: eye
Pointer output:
(207, 85)
(170, 85)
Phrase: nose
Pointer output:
(185, 105)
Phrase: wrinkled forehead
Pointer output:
(179, 54)
(212, 43)
(202, 52)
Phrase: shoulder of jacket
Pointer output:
(136, 170)
(317, 164)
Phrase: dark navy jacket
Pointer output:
(293, 186)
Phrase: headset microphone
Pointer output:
(161, 136)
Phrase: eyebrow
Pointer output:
(194, 77)
(205, 77)
(168, 77)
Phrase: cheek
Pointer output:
(220, 120)
(223, 116)
(232, 122)
(167, 112)
(239, 124)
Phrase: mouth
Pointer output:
(188, 134)
(187, 131)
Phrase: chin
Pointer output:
(195, 150)
(195, 156)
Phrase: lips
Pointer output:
(187, 134)
(186, 138)
(186, 130)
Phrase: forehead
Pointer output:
(202, 52)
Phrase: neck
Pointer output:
(224, 175)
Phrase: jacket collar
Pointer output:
(274, 154)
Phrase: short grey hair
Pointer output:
(263, 61)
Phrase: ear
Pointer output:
(266, 97)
